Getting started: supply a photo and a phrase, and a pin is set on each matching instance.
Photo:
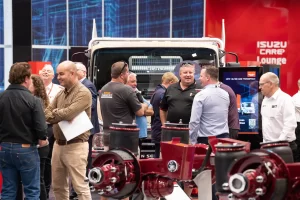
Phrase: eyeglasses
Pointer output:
(125, 64)
(81, 70)
(186, 63)
(261, 84)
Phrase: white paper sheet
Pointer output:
(80, 124)
(204, 183)
(177, 194)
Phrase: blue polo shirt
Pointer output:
(142, 122)
(155, 119)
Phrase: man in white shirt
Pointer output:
(47, 75)
(278, 112)
(296, 99)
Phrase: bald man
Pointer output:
(69, 158)
(81, 75)
(278, 112)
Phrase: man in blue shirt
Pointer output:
(210, 109)
(141, 121)
(167, 79)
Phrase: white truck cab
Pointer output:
(149, 58)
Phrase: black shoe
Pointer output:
(73, 196)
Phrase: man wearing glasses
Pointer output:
(296, 99)
(119, 101)
(278, 112)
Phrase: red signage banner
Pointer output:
(260, 30)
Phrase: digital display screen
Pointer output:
(244, 82)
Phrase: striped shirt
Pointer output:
(66, 106)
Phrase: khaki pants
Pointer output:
(70, 160)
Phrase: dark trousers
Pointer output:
(47, 170)
(90, 160)
(294, 148)
(254, 139)
(204, 140)
(43, 153)
(157, 150)
(43, 194)
(297, 132)
(20, 189)
(233, 133)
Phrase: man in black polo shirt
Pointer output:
(178, 99)
(22, 127)
(177, 102)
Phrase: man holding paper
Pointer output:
(81, 75)
(70, 149)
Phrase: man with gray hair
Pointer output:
(141, 121)
(47, 75)
(296, 99)
(278, 112)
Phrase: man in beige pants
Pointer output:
(69, 158)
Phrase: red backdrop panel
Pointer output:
(36, 66)
(260, 30)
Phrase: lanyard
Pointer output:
(50, 89)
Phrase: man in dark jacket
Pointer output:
(22, 127)
(167, 79)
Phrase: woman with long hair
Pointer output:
(37, 88)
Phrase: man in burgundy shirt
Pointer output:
(233, 115)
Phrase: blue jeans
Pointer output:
(15, 160)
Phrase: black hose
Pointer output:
(206, 159)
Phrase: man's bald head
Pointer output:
(68, 65)
(67, 74)
(272, 77)
(268, 84)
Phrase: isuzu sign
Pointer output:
(271, 52)
(264, 31)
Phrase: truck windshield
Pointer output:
(148, 63)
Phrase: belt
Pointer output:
(65, 142)
(22, 145)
